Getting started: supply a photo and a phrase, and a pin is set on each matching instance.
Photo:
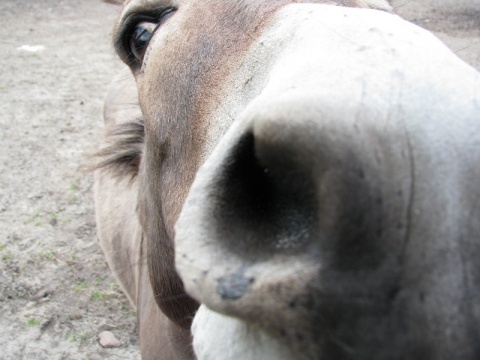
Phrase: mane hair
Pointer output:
(122, 151)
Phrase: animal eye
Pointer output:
(140, 38)
(143, 31)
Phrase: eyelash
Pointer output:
(133, 21)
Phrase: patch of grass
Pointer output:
(83, 336)
(53, 218)
(2, 247)
(81, 286)
(97, 295)
(7, 257)
(38, 223)
(34, 216)
(98, 281)
(33, 321)
(47, 254)
(73, 187)
(72, 199)
(113, 287)
(78, 336)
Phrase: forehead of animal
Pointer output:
(212, 18)
(196, 17)
(130, 6)
(198, 48)
(212, 7)
(379, 4)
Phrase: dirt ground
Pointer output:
(56, 292)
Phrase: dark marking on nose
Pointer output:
(234, 286)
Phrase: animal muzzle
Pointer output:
(286, 224)
(333, 213)
(323, 228)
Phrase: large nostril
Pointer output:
(294, 210)
(266, 198)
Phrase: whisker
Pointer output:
(404, 4)
(467, 47)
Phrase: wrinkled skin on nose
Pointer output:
(338, 217)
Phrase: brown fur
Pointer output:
(188, 124)
(159, 154)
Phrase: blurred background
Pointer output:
(56, 291)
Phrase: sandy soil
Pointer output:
(455, 22)
(56, 292)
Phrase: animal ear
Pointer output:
(375, 4)
(122, 146)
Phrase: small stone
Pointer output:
(108, 340)
(76, 316)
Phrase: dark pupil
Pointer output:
(140, 38)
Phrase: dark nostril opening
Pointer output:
(264, 202)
